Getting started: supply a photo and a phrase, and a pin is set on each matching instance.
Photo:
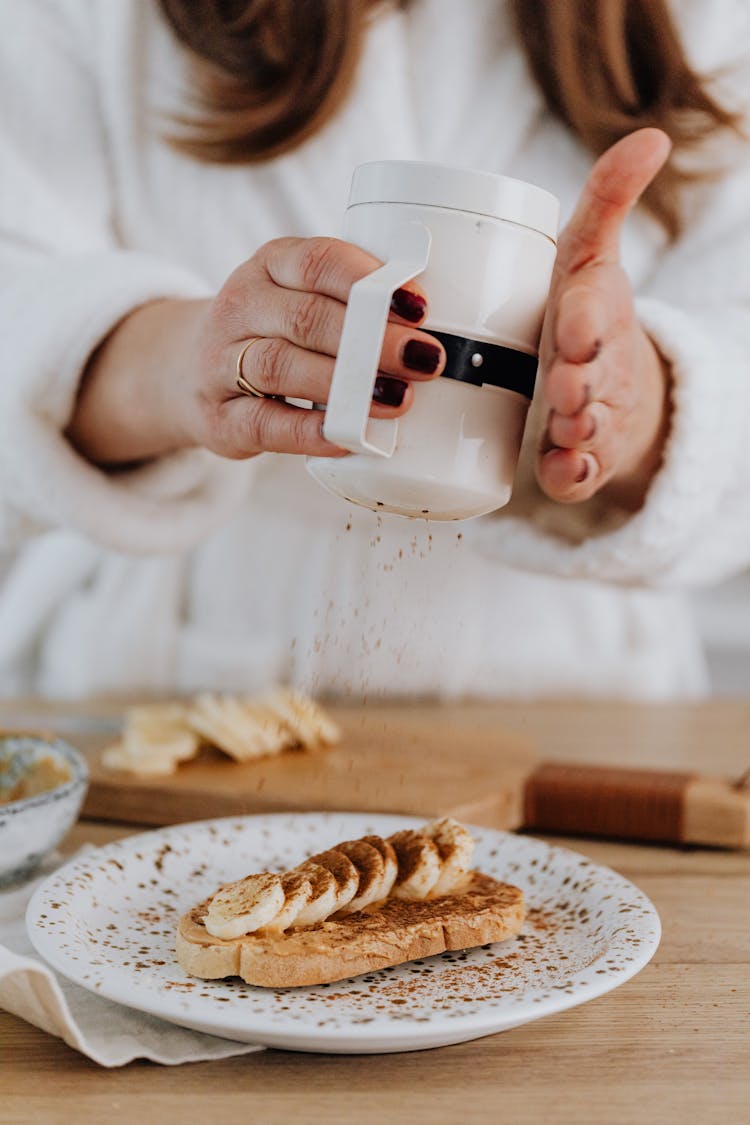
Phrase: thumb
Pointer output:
(615, 183)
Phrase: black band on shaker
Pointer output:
(474, 361)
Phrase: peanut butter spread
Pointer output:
(38, 777)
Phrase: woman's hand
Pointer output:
(292, 294)
(166, 378)
(604, 387)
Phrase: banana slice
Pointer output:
(297, 895)
(158, 736)
(155, 739)
(324, 894)
(390, 862)
(456, 848)
(245, 906)
(150, 720)
(307, 723)
(239, 728)
(145, 763)
(373, 875)
(419, 864)
(343, 871)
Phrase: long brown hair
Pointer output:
(269, 73)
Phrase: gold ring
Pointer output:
(246, 387)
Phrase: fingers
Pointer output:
(591, 366)
(580, 452)
(316, 323)
(580, 430)
(272, 296)
(568, 387)
(614, 185)
(278, 368)
(290, 299)
(583, 448)
(583, 318)
(247, 426)
(587, 321)
(317, 275)
(317, 265)
(588, 313)
(583, 440)
(589, 385)
(330, 267)
(568, 476)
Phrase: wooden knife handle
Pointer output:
(636, 804)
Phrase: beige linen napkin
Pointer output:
(108, 1033)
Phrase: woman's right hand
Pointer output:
(289, 299)
(166, 377)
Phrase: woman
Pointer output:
(154, 151)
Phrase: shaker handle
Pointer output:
(347, 422)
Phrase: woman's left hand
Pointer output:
(604, 386)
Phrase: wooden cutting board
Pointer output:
(429, 760)
(417, 761)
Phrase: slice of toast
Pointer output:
(391, 933)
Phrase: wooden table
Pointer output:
(670, 1046)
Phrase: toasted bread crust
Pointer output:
(397, 931)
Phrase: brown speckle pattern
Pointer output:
(108, 921)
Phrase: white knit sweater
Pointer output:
(196, 572)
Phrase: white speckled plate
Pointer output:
(108, 921)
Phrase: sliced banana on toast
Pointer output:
(350, 877)
(246, 905)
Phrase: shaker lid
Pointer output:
(458, 189)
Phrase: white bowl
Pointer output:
(31, 827)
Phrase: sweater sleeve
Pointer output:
(64, 284)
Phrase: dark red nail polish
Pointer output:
(421, 356)
(388, 392)
(583, 473)
(408, 305)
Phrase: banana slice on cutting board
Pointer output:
(156, 738)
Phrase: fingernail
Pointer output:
(421, 356)
(408, 305)
(586, 396)
(584, 472)
(388, 392)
